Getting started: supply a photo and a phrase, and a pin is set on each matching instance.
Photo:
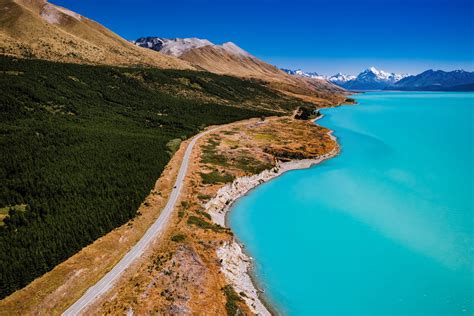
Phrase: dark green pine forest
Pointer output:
(82, 146)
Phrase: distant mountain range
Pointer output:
(437, 80)
(370, 79)
(340, 78)
(375, 79)
(300, 72)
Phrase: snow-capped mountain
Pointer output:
(179, 46)
(372, 79)
(175, 47)
(302, 73)
(340, 78)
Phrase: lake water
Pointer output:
(385, 228)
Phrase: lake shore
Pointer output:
(196, 264)
(236, 264)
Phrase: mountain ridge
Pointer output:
(180, 46)
(371, 78)
(299, 72)
(437, 80)
(230, 59)
(375, 79)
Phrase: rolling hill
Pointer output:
(38, 29)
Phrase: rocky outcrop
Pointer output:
(236, 266)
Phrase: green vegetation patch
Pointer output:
(251, 165)
(204, 197)
(205, 214)
(178, 238)
(199, 222)
(215, 177)
(231, 305)
(212, 157)
(173, 145)
(12, 211)
(210, 154)
(306, 113)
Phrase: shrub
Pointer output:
(216, 177)
(231, 305)
(199, 222)
(178, 238)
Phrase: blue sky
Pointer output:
(326, 36)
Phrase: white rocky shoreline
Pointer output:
(235, 264)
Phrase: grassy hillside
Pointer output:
(83, 145)
(37, 28)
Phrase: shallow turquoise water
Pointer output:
(385, 228)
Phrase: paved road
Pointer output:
(107, 281)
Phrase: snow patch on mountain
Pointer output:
(175, 47)
(299, 72)
(373, 74)
(340, 78)
(369, 79)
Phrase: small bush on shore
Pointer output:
(306, 113)
(203, 213)
(204, 197)
(216, 177)
(232, 306)
(178, 238)
(199, 222)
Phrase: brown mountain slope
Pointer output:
(36, 28)
(218, 60)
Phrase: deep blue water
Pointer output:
(385, 228)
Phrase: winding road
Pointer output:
(108, 280)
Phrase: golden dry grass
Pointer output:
(25, 33)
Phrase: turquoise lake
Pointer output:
(386, 227)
